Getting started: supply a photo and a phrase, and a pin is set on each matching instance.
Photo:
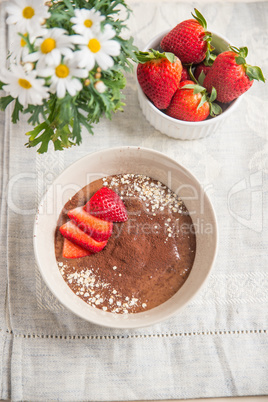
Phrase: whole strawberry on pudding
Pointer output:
(142, 261)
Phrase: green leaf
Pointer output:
(240, 60)
(213, 95)
(144, 57)
(16, 111)
(189, 86)
(199, 17)
(190, 71)
(241, 51)
(76, 127)
(85, 123)
(202, 101)
(201, 77)
(5, 101)
(34, 133)
(35, 111)
(215, 109)
(254, 73)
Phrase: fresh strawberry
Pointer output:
(189, 40)
(159, 75)
(97, 228)
(185, 74)
(106, 204)
(203, 69)
(231, 76)
(71, 250)
(72, 232)
(190, 103)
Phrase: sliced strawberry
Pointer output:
(72, 232)
(97, 228)
(71, 250)
(107, 205)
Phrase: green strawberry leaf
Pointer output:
(198, 89)
(240, 60)
(210, 59)
(254, 73)
(144, 57)
(201, 77)
(170, 56)
(202, 101)
(213, 95)
(189, 86)
(241, 51)
(215, 109)
(199, 18)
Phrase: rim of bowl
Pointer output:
(223, 115)
(124, 323)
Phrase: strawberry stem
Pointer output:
(199, 18)
(253, 72)
(144, 57)
(214, 108)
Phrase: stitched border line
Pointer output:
(133, 336)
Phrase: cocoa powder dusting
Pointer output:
(146, 260)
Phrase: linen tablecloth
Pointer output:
(218, 345)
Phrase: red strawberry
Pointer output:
(71, 250)
(98, 229)
(230, 75)
(189, 40)
(185, 74)
(72, 232)
(106, 204)
(159, 75)
(201, 68)
(190, 103)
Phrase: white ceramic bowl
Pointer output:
(180, 129)
(114, 161)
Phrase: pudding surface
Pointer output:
(147, 258)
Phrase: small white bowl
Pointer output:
(179, 129)
(114, 161)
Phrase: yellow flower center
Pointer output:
(23, 41)
(48, 45)
(94, 45)
(88, 23)
(24, 83)
(28, 12)
(62, 71)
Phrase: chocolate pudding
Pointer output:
(147, 258)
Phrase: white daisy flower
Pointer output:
(19, 48)
(97, 48)
(86, 20)
(28, 15)
(24, 86)
(51, 47)
(65, 77)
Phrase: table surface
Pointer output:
(216, 347)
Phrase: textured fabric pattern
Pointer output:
(218, 345)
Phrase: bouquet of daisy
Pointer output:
(66, 66)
